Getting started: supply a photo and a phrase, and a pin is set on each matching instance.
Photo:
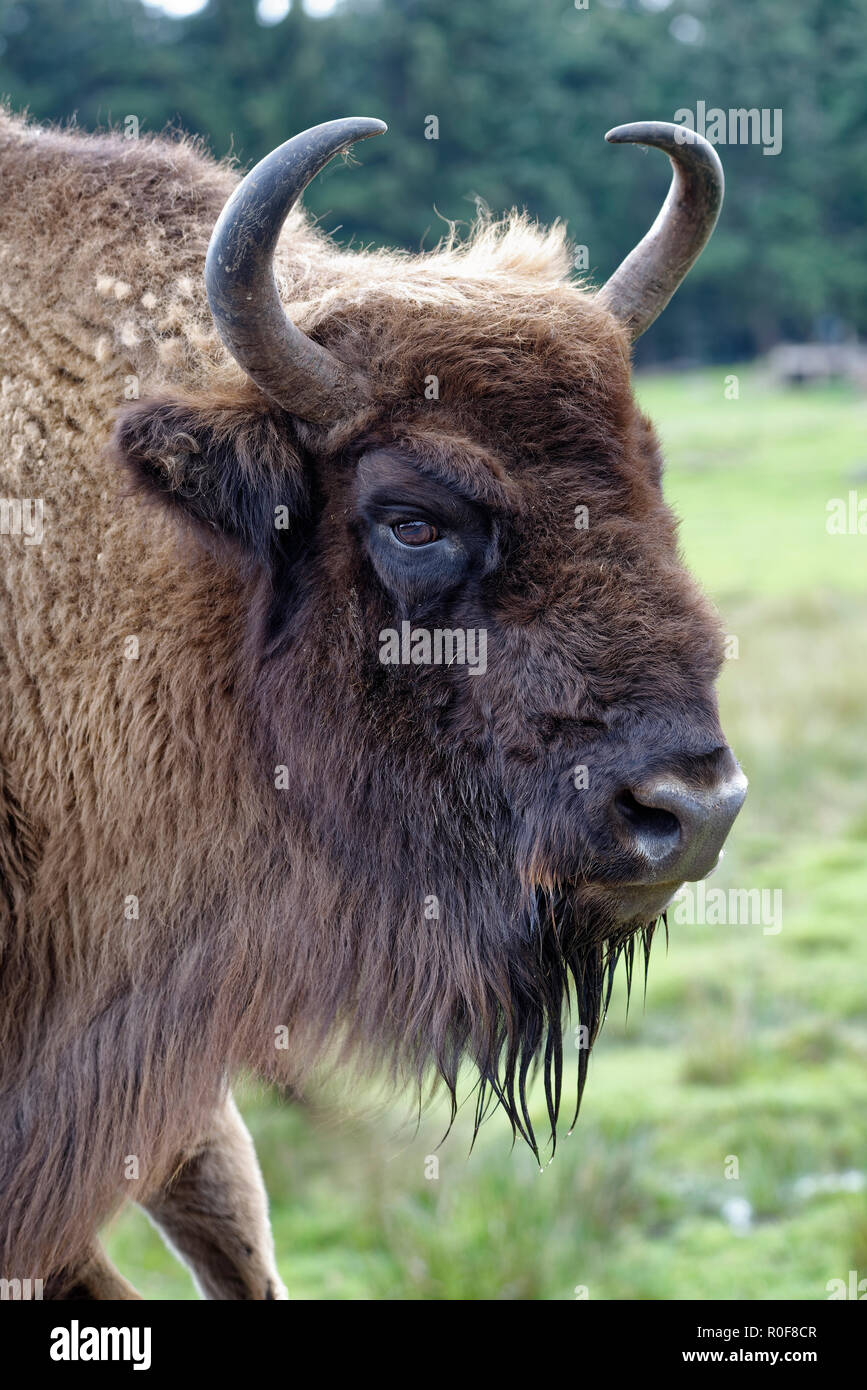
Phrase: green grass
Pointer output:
(751, 1046)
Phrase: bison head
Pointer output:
(478, 682)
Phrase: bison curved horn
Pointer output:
(642, 285)
(296, 372)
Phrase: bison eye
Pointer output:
(415, 532)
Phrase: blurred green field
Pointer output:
(750, 1046)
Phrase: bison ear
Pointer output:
(233, 471)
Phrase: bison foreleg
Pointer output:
(94, 1280)
(213, 1213)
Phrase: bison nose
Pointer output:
(679, 828)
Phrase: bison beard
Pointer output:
(564, 945)
(488, 980)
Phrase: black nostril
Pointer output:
(679, 826)
(651, 822)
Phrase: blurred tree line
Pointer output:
(523, 91)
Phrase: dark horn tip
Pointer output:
(669, 136)
(367, 126)
(618, 134)
(636, 132)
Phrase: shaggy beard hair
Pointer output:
(375, 992)
(565, 964)
(495, 991)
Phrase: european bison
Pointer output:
(355, 702)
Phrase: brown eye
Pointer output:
(415, 532)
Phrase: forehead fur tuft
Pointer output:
(507, 258)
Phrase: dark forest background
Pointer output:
(524, 91)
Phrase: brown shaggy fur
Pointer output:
(154, 777)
